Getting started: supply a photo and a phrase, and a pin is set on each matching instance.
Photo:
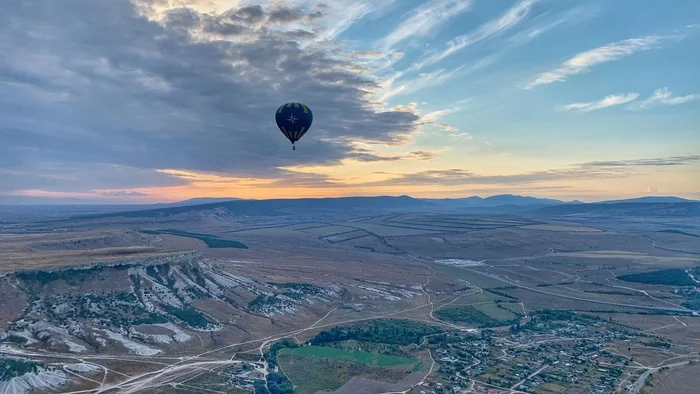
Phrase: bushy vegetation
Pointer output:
(276, 384)
(189, 315)
(671, 276)
(261, 301)
(10, 368)
(13, 338)
(496, 291)
(71, 276)
(692, 304)
(397, 332)
(553, 314)
(212, 241)
(546, 319)
(121, 309)
(470, 315)
(296, 289)
(271, 355)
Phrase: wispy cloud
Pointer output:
(656, 162)
(488, 30)
(579, 171)
(424, 19)
(607, 101)
(664, 96)
(579, 14)
(425, 80)
(123, 193)
(584, 61)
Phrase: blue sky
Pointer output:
(165, 100)
(515, 116)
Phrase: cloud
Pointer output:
(657, 162)
(488, 30)
(34, 173)
(431, 79)
(458, 177)
(580, 171)
(664, 97)
(584, 61)
(608, 101)
(424, 81)
(422, 155)
(366, 155)
(425, 19)
(123, 193)
(106, 88)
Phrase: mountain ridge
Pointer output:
(505, 203)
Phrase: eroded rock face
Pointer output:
(140, 306)
(41, 379)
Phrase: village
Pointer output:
(554, 351)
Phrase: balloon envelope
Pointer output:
(294, 120)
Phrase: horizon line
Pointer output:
(67, 201)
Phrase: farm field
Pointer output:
(322, 368)
(381, 360)
(182, 287)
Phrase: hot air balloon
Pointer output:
(294, 120)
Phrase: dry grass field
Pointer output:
(51, 250)
(681, 380)
(296, 279)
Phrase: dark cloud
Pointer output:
(286, 15)
(38, 174)
(87, 84)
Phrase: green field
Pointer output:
(313, 368)
(381, 360)
(212, 241)
(495, 312)
(671, 277)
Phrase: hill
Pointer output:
(649, 199)
(275, 207)
(663, 209)
(501, 200)
(500, 204)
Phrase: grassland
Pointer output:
(212, 241)
(471, 315)
(311, 369)
(381, 360)
(496, 311)
(398, 250)
(57, 249)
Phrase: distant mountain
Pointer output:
(495, 201)
(649, 199)
(274, 207)
(650, 209)
(191, 201)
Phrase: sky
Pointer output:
(137, 101)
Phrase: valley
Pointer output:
(207, 299)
